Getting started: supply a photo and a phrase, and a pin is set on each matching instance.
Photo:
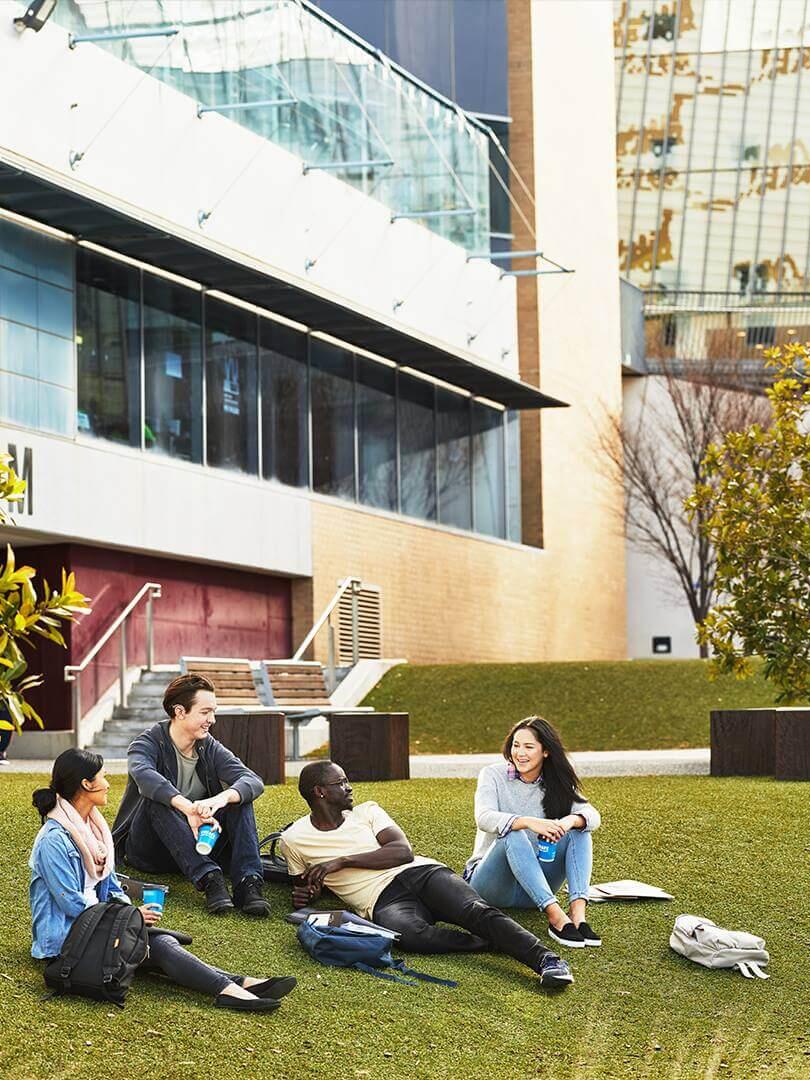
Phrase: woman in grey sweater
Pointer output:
(533, 796)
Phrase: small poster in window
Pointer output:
(174, 365)
(230, 387)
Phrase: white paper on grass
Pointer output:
(626, 890)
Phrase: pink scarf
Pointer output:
(92, 837)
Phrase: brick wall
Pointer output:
(449, 598)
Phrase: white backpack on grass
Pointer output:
(708, 944)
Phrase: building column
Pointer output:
(522, 153)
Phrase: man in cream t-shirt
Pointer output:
(363, 856)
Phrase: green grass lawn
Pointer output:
(626, 705)
(734, 850)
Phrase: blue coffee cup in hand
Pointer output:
(546, 850)
(207, 836)
(154, 896)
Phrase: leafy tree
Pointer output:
(658, 456)
(755, 510)
(23, 613)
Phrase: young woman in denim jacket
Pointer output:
(72, 868)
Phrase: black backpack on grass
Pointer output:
(100, 954)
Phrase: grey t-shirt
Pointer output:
(189, 783)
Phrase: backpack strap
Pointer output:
(83, 933)
(391, 977)
(399, 965)
(273, 838)
(113, 939)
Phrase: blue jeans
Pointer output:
(160, 840)
(509, 875)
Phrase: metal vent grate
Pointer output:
(369, 625)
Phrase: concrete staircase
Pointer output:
(143, 709)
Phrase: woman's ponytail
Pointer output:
(44, 800)
(70, 768)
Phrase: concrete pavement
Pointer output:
(588, 763)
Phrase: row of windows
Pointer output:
(164, 368)
(36, 330)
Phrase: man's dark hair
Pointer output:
(312, 776)
(183, 690)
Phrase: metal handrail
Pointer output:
(354, 584)
(152, 590)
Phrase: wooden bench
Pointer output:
(297, 684)
(761, 742)
(299, 688)
(232, 679)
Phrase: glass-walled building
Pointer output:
(244, 352)
(162, 367)
(286, 71)
(713, 158)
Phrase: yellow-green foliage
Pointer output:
(23, 613)
(755, 509)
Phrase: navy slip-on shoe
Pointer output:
(554, 972)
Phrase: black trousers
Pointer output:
(168, 957)
(420, 896)
(160, 840)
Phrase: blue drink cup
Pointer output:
(154, 896)
(207, 836)
(546, 850)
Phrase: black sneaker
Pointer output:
(247, 895)
(568, 935)
(589, 935)
(217, 897)
(554, 971)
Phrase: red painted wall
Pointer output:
(204, 611)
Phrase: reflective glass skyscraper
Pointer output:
(713, 104)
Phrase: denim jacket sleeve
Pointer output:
(61, 873)
(110, 889)
(233, 773)
(142, 760)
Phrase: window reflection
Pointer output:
(172, 327)
(108, 327)
(37, 370)
(230, 387)
(332, 420)
(453, 437)
(417, 447)
(513, 510)
(376, 434)
(488, 470)
(285, 442)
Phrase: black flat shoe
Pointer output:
(567, 935)
(255, 1004)
(589, 935)
(273, 988)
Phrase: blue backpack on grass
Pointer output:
(337, 946)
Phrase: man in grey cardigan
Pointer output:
(180, 778)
